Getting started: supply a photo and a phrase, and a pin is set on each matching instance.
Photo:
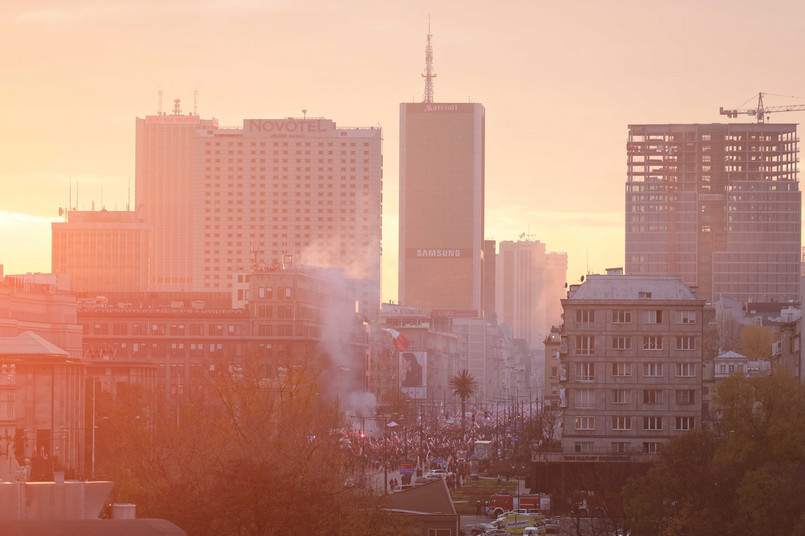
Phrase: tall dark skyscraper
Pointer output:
(441, 202)
(719, 205)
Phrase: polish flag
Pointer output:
(400, 341)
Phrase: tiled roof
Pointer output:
(27, 344)
(632, 287)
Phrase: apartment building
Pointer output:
(632, 364)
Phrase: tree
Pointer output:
(728, 332)
(746, 477)
(259, 456)
(464, 386)
(756, 341)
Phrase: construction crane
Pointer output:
(761, 111)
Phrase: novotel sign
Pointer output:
(287, 127)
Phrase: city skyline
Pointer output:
(559, 90)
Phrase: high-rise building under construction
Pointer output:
(717, 204)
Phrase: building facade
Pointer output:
(718, 205)
(102, 251)
(288, 189)
(530, 286)
(164, 186)
(441, 205)
(44, 405)
(632, 375)
(40, 303)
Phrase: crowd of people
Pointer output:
(417, 448)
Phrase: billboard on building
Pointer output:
(413, 374)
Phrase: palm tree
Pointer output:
(464, 385)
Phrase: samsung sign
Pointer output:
(452, 253)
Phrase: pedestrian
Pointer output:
(478, 507)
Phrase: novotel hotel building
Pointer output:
(275, 191)
(441, 205)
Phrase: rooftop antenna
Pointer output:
(177, 106)
(195, 102)
(159, 109)
(428, 75)
(70, 195)
(304, 113)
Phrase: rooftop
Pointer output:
(631, 287)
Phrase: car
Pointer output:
(481, 528)
(552, 525)
(441, 473)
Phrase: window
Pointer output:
(652, 423)
(621, 317)
(585, 398)
(621, 369)
(652, 370)
(583, 446)
(654, 316)
(585, 372)
(621, 343)
(686, 317)
(650, 447)
(652, 396)
(585, 316)
(585, 423)
(684, 423)
(652, 342)
(585, 344)
(621, 423)
(686, 370)
(685, 342)
(621, 396)
(620, 447)
(685, 396)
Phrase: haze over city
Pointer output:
(560, 84)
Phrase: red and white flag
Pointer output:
(400, 341)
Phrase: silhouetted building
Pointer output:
(489, 276)
(530, 286)
(718, 205)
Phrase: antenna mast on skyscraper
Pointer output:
(195, 102)
(428, 75)
(159, 108)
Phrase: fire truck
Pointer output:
(503, 501)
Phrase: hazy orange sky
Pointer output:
(560, 82)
